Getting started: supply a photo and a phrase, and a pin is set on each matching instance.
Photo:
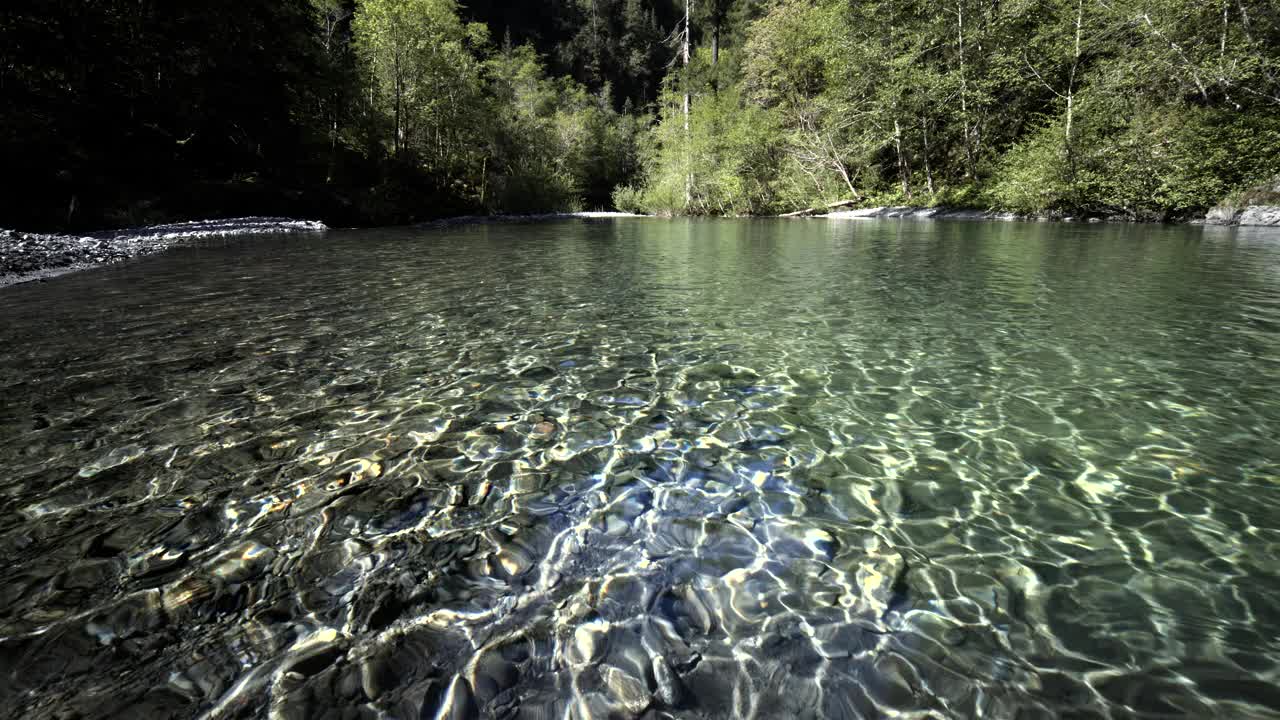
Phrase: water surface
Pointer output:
(649, 468)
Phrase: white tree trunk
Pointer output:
(688, 178)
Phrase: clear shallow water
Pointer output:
(662, 468)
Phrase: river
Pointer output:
(649, 468)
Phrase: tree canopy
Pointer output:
(1151, 109)
(380, 111)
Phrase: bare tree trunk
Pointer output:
(1244, 21)
(595, 39)
(688, 178)
(1071, 95)
(333, 147)
(843, 169)
(928, 168)
(970, 161)
(395, 141)
(817, 181)
(1191, 67)
(1222, 45)
(330, 26)
(848, 181)
(904, 171)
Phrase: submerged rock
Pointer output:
(589, 642)
(669, 690)
(626, 690)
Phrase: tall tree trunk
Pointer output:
(330, 27)
(928, 168)
(1071, 97)
(848, 180)
(395, 140)
(904, 170)
(1191, 66)
(715, 58)
(971, 164)
(1222, 45)
(333, 147)
(688, 178)
(1244, 21)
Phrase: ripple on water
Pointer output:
(639, 469)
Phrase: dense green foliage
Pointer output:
(377, 111)
(124, 112)
(1150, 109)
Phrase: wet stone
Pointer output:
(493, 676)
(669, 689)
(627, 691)
(377, 676)
(458, 702)
(576, 469)
(589, 641)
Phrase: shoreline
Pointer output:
(33, 257)
(1252, 216)
(530, 217)
(30, 257)
(915, 212)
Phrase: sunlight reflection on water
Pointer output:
(674, 468)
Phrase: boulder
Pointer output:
(1265, 215)
(1221, 215)
(1258, 206)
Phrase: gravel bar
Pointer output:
(32, 256)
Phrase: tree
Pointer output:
(424, 75)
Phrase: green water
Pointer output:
(648, 468)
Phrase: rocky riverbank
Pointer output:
(1252, 215)
(931, 213)
(845, 210)
(1258, 206)
(31, 256)
(536, 217)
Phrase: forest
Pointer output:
(124, 112)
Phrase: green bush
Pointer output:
(1030, 179)
(627, 199)
(1150, 162)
